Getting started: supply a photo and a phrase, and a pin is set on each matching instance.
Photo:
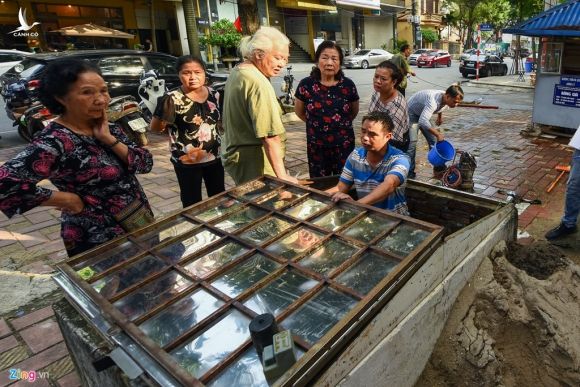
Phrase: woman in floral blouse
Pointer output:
(91, 162)
(191, 114)
(328, 102)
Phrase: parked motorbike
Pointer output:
(286, 100)
(123, 110)
(151, 87)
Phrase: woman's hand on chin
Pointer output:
(101, 130)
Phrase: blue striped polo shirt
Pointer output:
(365, 178)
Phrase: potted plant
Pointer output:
(223, 34)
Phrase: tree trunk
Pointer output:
(191, 27)
(248, 11)
(152, 18)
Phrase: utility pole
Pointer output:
(210, 49)
(414, 23)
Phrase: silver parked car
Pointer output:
(10, 58)
(415, 55)
(366, 58)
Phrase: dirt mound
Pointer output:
(511, 329)
(540, 259)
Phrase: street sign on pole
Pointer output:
(477, 53)
(485, 27)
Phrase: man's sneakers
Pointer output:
(560, 231)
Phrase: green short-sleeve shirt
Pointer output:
(251, 112)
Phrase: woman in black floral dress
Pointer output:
(91, 162)
(192, 116)
(328, 102)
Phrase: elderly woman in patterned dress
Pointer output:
(191, 113)
(91, 162)
(328, 102)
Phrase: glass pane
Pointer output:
(282, 198)
(335, 218)
(265, 230)
(367, 272)
(369, 227)
(221, 207)
(107, 260)
(256, 189)
(328, 256)
(296, 243)
(128, 276)
(241, 219)
(306, 208)
(403, 240)
(245, 275)
(317, 316)
(215, 259)
(192, 244)
(211, 347)
(172, 229)
(177, 318)
(144, 299)
(280, 293)
(246, 371)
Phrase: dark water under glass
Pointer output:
(368, 227)
(241, 219)
(364, 275)
(221, 207)
(179, 317)
(335, 218)
(265, 230)
(328, 256)
(210, 262)
(313, 319)
(213, 345)
(172, 229)
(403, 240)
(296, 243)
(280, 293)
(181, 249)
(244, 275)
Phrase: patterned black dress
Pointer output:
(329, 131)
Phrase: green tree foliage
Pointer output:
(465, 15)
(222, 33)
(429, 35)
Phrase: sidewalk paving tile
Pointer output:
(32, 318)
(8, 343)
(37, 383)
(4, 328)
(42, 335)
(42, 359)
(70, 380)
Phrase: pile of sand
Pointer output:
(519, 326)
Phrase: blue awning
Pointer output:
(562, 20)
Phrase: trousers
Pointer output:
(572, 206)
(189, 178)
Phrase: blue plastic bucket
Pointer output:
(529, 67)
(441, 153)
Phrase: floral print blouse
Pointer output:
(191, 122)
(328, 111)
(78, 164)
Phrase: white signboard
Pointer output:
(373, 4)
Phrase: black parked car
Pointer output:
(489, 65)
(121, 70)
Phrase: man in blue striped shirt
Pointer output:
(376, 169)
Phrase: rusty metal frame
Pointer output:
(338, 336)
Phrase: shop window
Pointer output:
(551, 57)
(63, 10)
